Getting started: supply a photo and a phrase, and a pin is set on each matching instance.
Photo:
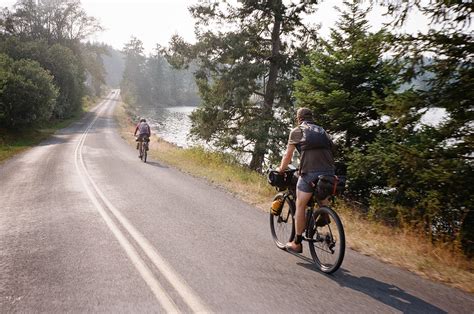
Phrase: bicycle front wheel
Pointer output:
(283, 225)
(327, 241)
(140, 151)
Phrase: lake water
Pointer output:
(172, 124)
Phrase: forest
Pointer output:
(254, 63)
(150, 81)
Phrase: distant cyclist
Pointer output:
(144, 133)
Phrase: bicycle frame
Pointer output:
(313, 204)
(289, 194)
(324, 231)
(144, 145)
(142, 148)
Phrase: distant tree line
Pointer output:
(114, 64)
(46, 68)
(150, 80)
(257, 61)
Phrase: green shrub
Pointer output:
(27, 92)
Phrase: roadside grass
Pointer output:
(13, 142)
(409, 249)
(401, 247)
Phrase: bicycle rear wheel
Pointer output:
(140, 151)
(327, 241)
(145, 153)
(283, 225)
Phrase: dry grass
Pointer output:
(399, 247)
(407, 249)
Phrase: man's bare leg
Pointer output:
(302, 199)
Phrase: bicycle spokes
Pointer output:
(283, 217)
(327, 243)
(282, 225)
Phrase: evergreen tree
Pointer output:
(134, 86)
(345, 77)
(91, 55)
(114, 64)
(425, 172)
(157, 72)
(247, 54)
(150, 82)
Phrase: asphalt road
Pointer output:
(86, 227)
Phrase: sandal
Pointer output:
(289, 248)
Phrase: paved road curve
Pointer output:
(86, 227)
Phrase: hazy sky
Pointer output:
(155, 21)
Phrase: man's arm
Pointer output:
(285, 161)
(136, 129)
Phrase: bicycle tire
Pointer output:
(327, 243)
(282, 226)
(140, 151)
(145, 154)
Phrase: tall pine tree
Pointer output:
(134, 85)
(426, 170)
(248, 54)
(346, 76)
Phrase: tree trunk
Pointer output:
(267, 110)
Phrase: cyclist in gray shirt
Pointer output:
(316, 158)
(144, 133)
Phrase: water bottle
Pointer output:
(277, 205)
